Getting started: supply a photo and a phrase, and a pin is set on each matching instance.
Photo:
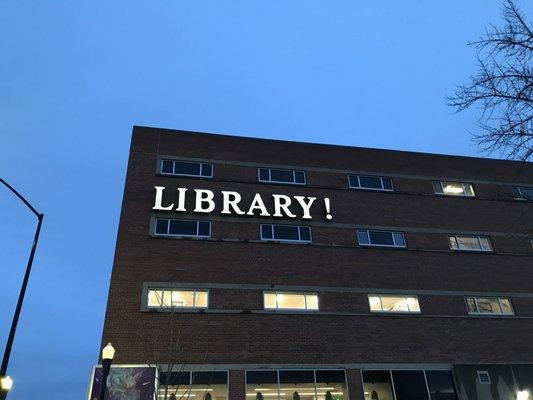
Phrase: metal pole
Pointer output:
(11, 337)
(106, 366)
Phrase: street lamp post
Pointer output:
(107, 358)
(11, 337)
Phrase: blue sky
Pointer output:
(76, 75)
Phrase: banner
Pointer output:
(125, 383)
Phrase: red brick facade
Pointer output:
(236, 266)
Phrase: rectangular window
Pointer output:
(290, 301)
(453, 188)
(489, 305)
(393, 303)
(187, 385)
(285, 233)
(289, 176)
(469, 243)
(186, 168)
(293, 384)
(367, 237)
(523, 193)
(370, 183)
(177, 298)
(182, 228)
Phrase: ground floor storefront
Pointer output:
(348, 382)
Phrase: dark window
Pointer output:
(266, 231)
(161, 226)
(210, 378)
(261, 377)
(410, 385)
(523, 193)
(177, 227)
(286, 233)
(328, 376)
(380, 238)
(441, 385)
(175, 378)
(167, 167)
(370, 182)
(282, 176)
(185, 168)
(296, 377)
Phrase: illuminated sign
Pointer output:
(232, 203)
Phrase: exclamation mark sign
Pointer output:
(328, 208)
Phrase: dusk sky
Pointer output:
(76, 76)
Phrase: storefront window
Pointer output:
(410, 385)
(440, 385)
(186, 385)
(377, 385)
(296, 385)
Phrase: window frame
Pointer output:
(358, 176)
(172, 235)
(463, 184)
(478, 237)
(270, 180)
(201, 164)
(405, 296)
(286, 240)
(393, 246)
(281, 309)
(493, 314)
(177, 289)
(521, 195)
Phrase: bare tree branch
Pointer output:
(502, 87)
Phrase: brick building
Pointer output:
(262, 269)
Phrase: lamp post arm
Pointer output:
(33, 210)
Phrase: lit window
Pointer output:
(393, 303)
(290, 176)
(285, 233)
(187, 385)
(370, 182)
(290, 301)
(489, 305)
(182, 228)
(177, 298)
(523, 193)
(185, 168)
(453, 188)
(469, 243)
(367, 237)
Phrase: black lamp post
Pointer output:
(107, 358)
(4, 379)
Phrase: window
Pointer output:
(185, 168)
(523, 193)
(177, 298)
(184, 228)
(370, 182)
(489, 305)
(469, 243)
(290, 301)
(393, 303)
(306, 384)
(380, 238)
(408, 385)
(188, 385)
(483, 377)
(286, 233)
(289, 176)
(453, 188)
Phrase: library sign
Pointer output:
(232, 203)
